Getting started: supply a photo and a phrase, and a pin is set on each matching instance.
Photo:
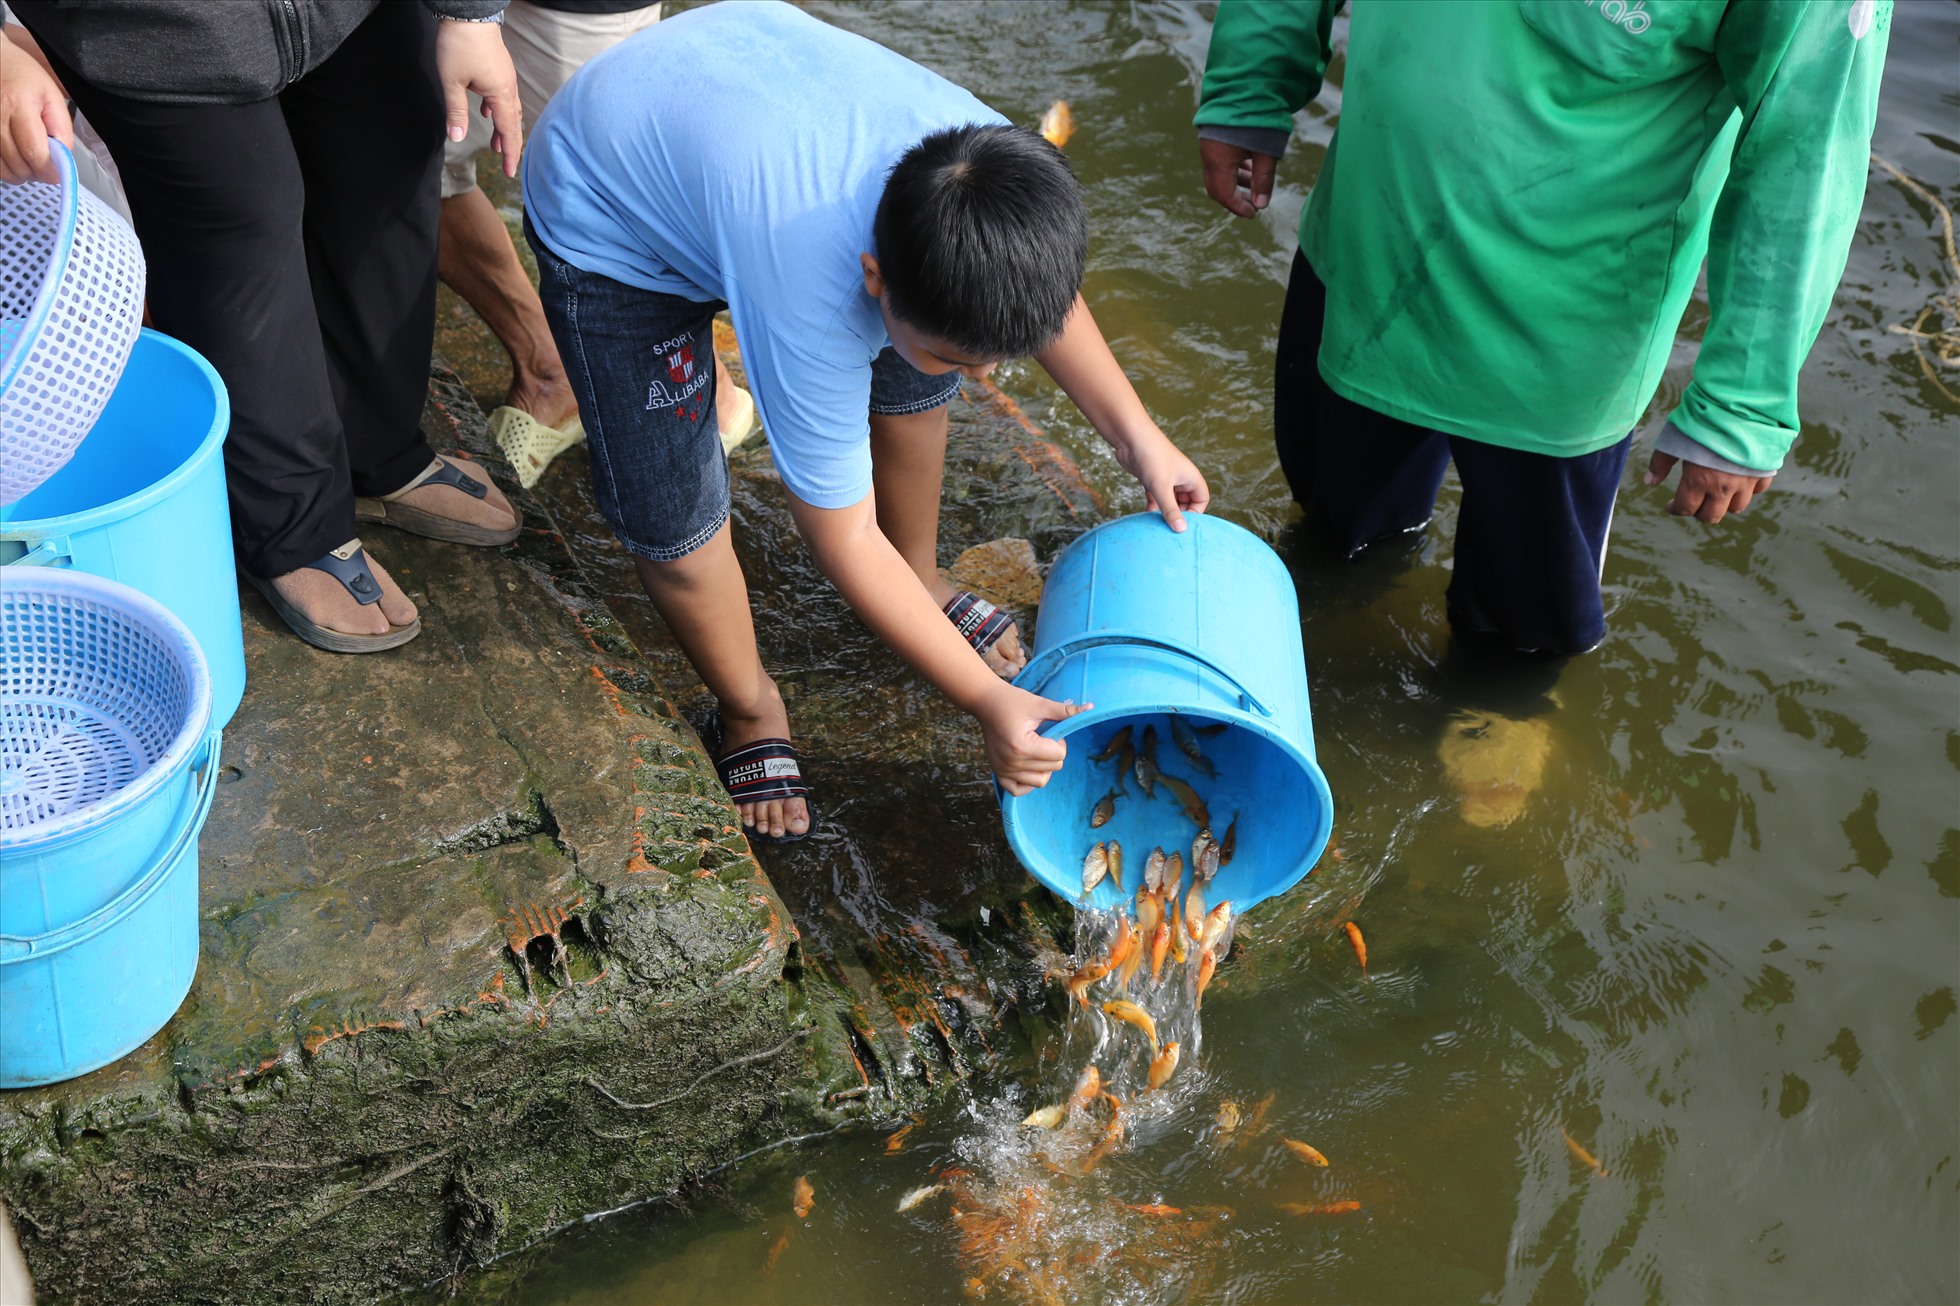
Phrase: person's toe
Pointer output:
(325, 602)
(493, 503)
(397, 609)
(798, 812)
(1006, 657)
(771, 823)
(749, 813)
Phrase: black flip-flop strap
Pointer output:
(979, 622)
(352, 572)
(762, 771)
(456, 478)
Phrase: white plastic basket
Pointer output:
(71, 303)
(101, 692)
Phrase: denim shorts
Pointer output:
(641, 364)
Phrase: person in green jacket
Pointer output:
(1503, 238)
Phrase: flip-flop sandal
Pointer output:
(348, 565)
(758, 772)
(979, 622)
(419, 521)
(529, 444)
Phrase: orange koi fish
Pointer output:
(1126, 939)
(1187, 798)
(1115, 855)
(1057, 125)
(802, 1197)
(1160, 943)
(1319, 1208)
(1078, 985)
(1046, 1117)
(1131, 1014)
(1360, 944)
(1117, 743)
(1194, 910)
(898, 1137)
(776, 1250)
(1306, 1152)
(1153, 1208)
(1585, 1158)
(1164, 1065)
(1207, 964)
(1216, 924)
(1087, 1088)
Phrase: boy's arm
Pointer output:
(888, 597)
(1082, 365)
(1266, 62)
(1806, 80)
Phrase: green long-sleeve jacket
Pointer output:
(1520, 193)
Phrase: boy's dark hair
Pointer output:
(981, 238)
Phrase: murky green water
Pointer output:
(1721, 948)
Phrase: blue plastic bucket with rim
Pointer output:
(142, 501)
(1148, 624)
(108, 764)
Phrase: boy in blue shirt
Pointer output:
(875, 233)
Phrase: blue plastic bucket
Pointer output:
(108, 762)
(1147, 623)
(143, 502)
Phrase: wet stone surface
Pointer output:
(484, 951)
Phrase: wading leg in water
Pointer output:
(704, 599)
(908, 465)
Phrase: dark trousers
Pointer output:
(292, 242)
(1531, 532)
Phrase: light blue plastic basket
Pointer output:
(107, 767)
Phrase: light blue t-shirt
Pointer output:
(737, 152)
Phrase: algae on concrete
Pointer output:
(484, 951)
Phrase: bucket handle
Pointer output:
(48, 553)
(15, 948)
(1036, 675)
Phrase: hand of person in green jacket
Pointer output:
(1230, 169)
(32, 108)
(472, 57)
(1704, 493)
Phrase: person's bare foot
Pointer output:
(768, 719)
(492, 512)
(325, 601)
(1006, 657)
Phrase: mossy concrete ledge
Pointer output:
(484, 951)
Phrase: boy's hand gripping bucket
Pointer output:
(1149, 624)
(108, 762)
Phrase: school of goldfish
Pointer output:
(1033, 1216)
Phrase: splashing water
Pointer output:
(1054, 1214)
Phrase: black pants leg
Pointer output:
(1531, 534)
(234, 206)
(1363, 475)
(367, 127)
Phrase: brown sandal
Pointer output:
(349, 565)
(420, 521)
